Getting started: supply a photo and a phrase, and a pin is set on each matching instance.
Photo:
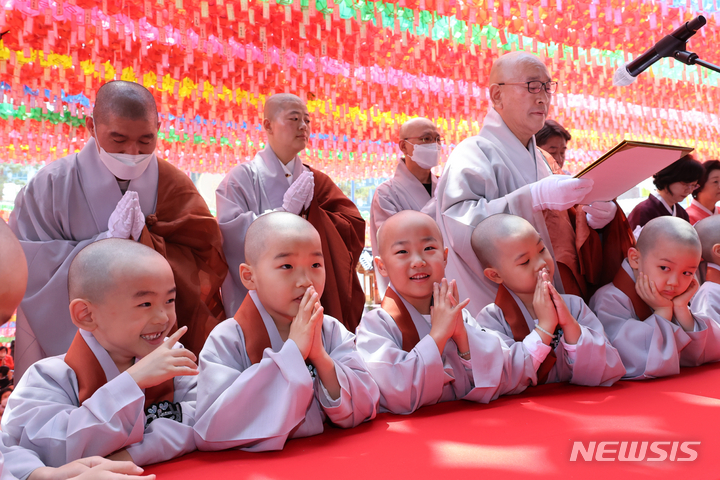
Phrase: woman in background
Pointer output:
(707, 194)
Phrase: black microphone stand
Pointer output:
(690, 58)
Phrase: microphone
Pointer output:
(666, 47)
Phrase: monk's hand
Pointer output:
(559, 192)
(302, 328)
(300, 193)
(164, 363)
(459, 336)
(681, 309)
(444, 314)
(91, 468)
(599, 214)
(127, 220)
(649, 293)
(545, 307)
(569, 324)
(317, 351)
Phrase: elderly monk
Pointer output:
(502, 171)
(413, 185)
(115, 187)
(277, 180)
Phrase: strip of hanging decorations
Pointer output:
(364, 68)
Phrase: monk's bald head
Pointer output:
(417, 127)
(103, 266)
(271, 229)
(708, 230)
(405, 225)
(510, 67)
(126, 100)
(668, 233)
(493, 231)
(280, 102)
(13, 272)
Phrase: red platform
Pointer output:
(523, 436)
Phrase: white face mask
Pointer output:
(426, 156)
(124, 166)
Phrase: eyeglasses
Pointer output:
(536, 85)
(690, 186)
(427, 139)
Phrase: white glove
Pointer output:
(300, 193)
(600, 214)
(127, 220)
(559, 192)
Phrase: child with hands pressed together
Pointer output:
(123, 390)
(280, 367)
(564, 338)
(422, 347)
(645, 309)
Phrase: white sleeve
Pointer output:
(42, 415)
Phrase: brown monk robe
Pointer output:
(586, 258)
(183, 230)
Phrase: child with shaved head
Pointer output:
(122, 389)
(645, 309)
(280, 367)
(529, 309)
(706, 303)
(422, 347)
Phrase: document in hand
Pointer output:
(626, 165)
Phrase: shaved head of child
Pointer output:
(668, 251)
(412, 255)
(708, 230)
(284, 258)
(13, 273)
(511, 252)
(287, 124)
(124, 293)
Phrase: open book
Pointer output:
(626, 165)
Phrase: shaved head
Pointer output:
(667, 229)
(495, 229)
(126, 100)
(274, 226)
(509, 67)
(401, 222)
(100, 267)
(708, 230)
(13, 272)
(416, 127)
(280, 102)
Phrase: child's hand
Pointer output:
(91, 468)
(568, 323)
(459, 335)
(302, 328)
(164, 363)
(680, 306)
(317, 351)
(445, 312)
(544, 307)
(647, 290)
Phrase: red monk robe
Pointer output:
(183, 230)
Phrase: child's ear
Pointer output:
(81, 314)
(380, 265)
(634, 258)
(493, 275)
(247, 276)
(715, 253)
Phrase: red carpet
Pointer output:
(523, 436)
